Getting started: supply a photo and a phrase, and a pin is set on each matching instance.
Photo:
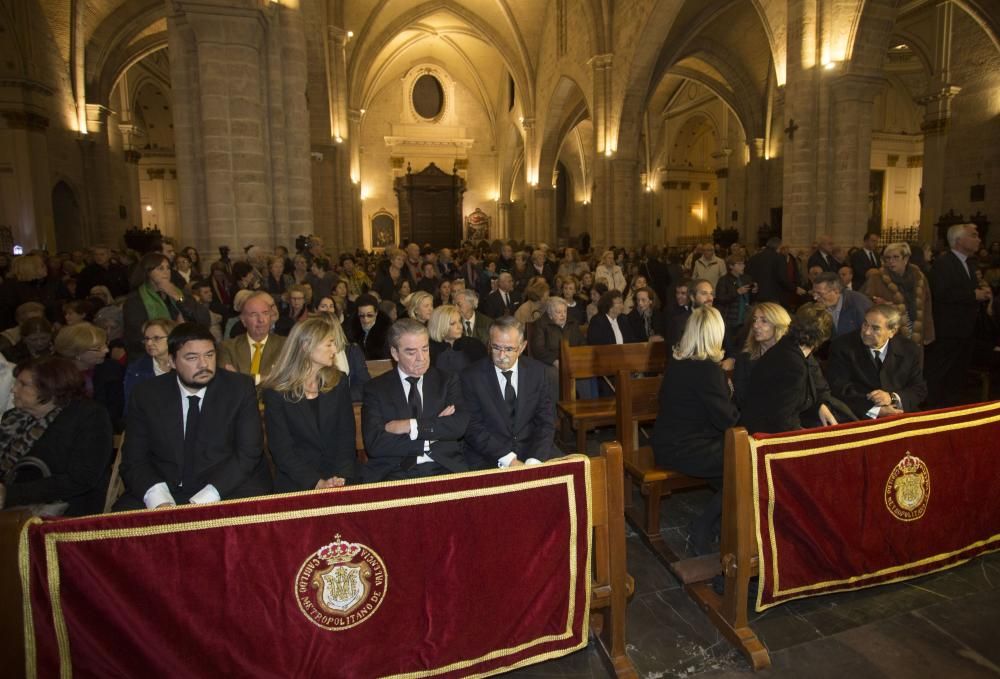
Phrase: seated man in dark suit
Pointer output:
(512, 418)
(194, 434)
(368, 329)
(474, 323)
(504, 300)
(413, 417)
(679, 313)
(876, 371)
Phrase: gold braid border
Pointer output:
(53, 539)
(850, 583)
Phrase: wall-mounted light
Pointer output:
(586, 202)
(365, 193)
(362, 111)
(149, 208)
(608, 153)
(338, 139)
(350, 34)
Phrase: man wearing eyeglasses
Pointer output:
(512, 419)
(368, 329)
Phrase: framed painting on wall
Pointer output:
(383, 229)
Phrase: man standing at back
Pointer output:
(512, 419)
(956, 296)
(413, 417)
(254, 352)
(194, 434)
(769, 269)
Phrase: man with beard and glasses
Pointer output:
(194, 434)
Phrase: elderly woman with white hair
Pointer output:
(904, 286)
(695, 412)
(551, 329)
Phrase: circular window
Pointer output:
(428, 97)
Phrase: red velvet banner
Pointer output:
(463, 575)
(872, 502)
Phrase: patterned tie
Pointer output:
(255, 359)
(416, 405)
(509, 396)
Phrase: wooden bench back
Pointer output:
(637, 401)
(606, 360)
(359, 439)
(379, 367)
(738, 541)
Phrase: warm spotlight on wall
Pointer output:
(350, 34)
(608, 153)
(338, 139)
(365, 193)
(149, 208)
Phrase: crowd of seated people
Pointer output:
(475, 336)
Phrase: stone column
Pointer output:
(851, 141)
(502, 228)
(755, 210)
(721, 215)
(238, 70)
(34, 225)
(602, 222)
(543, 227)
(624, 190)
(97, 160)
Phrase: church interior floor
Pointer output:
(946, 624)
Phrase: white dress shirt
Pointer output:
(159, 493)
(502, 381)
(413, 422)
(874, 410)
(616, 330)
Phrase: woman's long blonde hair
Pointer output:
(774, 314)
(294, 366)
(703, 335)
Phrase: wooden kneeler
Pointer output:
(738, 556)
(637, 401)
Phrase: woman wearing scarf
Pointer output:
(67, 434)
(154, 296)
(904, 286)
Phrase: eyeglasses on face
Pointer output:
(360, 315)
(154, 338)
(503, 350)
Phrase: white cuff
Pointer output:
(873, 412)
(158, 495)
(205, 496)
(413, 430)
(532, 460)
(505, 461)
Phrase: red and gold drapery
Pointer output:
(462, 575)
(876, 501)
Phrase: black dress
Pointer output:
(695, 411)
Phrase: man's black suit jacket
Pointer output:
(852, 374)
(230, 446)
(306, 448)
(492, 433)
(860, 265)
(385, 400)
(954, 295)
(599, 330)
(374, 344)
(493, 305)
(769, 269)
(828, 263)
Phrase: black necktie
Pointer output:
(468, 329)
(871, 258)
(877, 357)
(190, 436)
(416, 405)
(509, 397)
(506, 302)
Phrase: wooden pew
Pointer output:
(637, 401)
(738, 555)
(359, 439)
(379, 367)
(600, 361)
(611, 586)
